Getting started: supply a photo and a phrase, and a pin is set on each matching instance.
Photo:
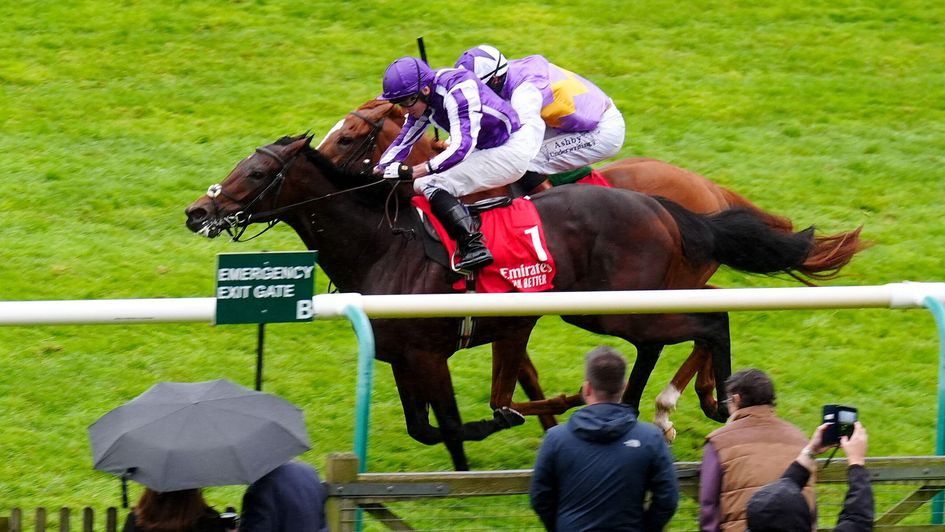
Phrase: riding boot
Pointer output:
(461, 227)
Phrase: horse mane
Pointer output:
(340, 177)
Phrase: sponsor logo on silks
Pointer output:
(527, 275)
(632, 443)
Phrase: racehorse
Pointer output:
(640, 243)
(357, 141)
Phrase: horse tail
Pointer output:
(774, 221)
(832, 252)
(739, 238)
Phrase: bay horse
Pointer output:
(640, 243)
(357, 141)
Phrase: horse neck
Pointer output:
(349, 232)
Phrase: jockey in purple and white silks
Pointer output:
(572, 120)
(485, 150)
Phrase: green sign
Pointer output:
(265, 287)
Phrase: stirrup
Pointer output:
(467, 265)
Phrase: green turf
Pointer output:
(116, 115)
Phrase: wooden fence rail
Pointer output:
(902, 486)
(15, 522)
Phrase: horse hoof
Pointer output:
(721, 413)
(669, 433)
(507, 417)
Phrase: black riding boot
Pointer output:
(461, 227)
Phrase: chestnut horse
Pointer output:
(641, 243)
(357, 142)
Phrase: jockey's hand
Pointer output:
(399, 172)
(439, 146)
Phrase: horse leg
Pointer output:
(717, 366)
(545, 409)
(510, 361)
(508, 355)
(699, 365)
(705, 384)
(416, 408)
(647, 355)
(667, 399)
(528, 379)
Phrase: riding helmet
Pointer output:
(405, 77)
(486, 61)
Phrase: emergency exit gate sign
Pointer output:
(265, 287)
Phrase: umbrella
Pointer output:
(180, 435)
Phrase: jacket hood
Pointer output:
(779, 507)
(603, 422)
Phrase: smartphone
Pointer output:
(841, 419)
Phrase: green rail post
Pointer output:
(365, 334)
(934, 305)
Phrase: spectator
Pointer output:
(594, 472)
(780, 506)
(751, 450)
(291, 498)
(173, 511)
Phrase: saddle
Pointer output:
(513, 233)
(433, 245)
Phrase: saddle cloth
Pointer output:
(594, 178)
(515, 237)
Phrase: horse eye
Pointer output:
(344, 141)
(256, 174)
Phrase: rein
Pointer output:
(238, 222)
(367, 143)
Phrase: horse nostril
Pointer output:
(197, 214)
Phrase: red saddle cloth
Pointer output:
(594, 178)
(516, 239)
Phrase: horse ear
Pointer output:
(309, 137)
(299, 143)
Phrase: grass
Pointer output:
(117, 115)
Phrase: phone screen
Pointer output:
(846, 416)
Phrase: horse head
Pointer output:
(252, 192)
(356, 142)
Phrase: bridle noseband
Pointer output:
(236, 224)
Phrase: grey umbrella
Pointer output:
(180, 435)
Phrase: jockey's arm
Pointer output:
(464, 118)
(526, 100)
(410, 133)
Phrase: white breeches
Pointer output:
(481, 169)
(562, 151)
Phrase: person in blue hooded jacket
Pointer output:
(594, 472)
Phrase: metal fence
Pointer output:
(498, 500)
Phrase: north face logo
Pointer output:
(632, 443)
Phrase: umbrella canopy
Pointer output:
(180, 435)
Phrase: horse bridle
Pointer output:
(239, 221)
(361, 154)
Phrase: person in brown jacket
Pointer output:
(751, 450)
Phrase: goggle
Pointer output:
(406, 101)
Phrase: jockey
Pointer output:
(574, 122)
(485, 150)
